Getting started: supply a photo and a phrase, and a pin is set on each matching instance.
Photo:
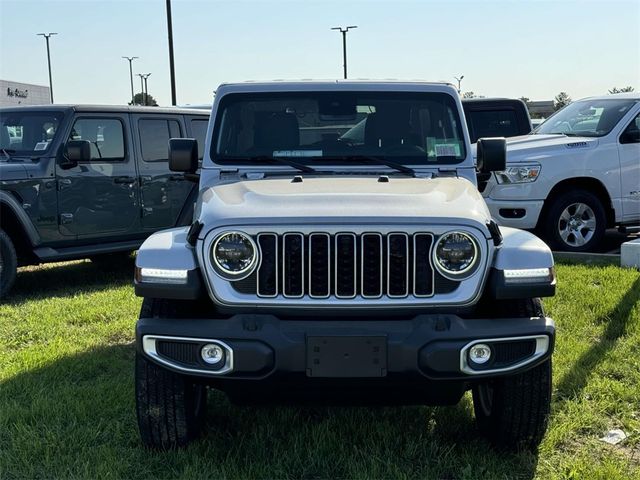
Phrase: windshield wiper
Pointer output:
(281, 160)
(379, 160)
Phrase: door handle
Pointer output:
(124, 180)
(176, 178)
(64, 183)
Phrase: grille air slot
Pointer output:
(182, 352)
(268, 273)
(293, 265)
(345, 265)
(398, 265)
(372, 257)
(423, 271)
(319, 265)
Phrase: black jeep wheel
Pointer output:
(8, 264)
(171, 408)
(513, 411)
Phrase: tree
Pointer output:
(526, 100)
(138, 99)
(468, 95)
(621, 90)
(562, 100)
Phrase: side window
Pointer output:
(199, 131)
(106, 136)
(631, 134)
(154, 138)
(494, 123)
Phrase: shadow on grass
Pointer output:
(76, 418)
(616, 320)
(68, 279)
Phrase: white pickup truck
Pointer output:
(575, 176)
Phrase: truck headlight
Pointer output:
(519, 174)
(234, 255)
(456, 255)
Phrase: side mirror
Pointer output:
(76, 151)
(183, 155)
(492, 155)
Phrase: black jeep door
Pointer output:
(99, 198)
(163, 192)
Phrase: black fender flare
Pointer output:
(9, 201)
(186, 214)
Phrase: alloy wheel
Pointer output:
(577, 224)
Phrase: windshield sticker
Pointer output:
(41, 146)
(297, 153)
(447, 150)
(431, 149)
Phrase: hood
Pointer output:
(344, 200)
(12, 171)
(539, 146)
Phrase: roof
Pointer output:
(336, 85)
(614, 96)
(108, 109)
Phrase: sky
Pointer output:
(511, 48)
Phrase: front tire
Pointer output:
(171, 408)
(575, 222)
(8, 264)
(513, 411)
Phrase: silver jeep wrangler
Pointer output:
(340, 252)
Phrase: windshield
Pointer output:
(587, 118)
(338, 128)
(28, 133)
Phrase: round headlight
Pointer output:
(234, 255)
(456, 254)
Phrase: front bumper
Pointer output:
(263, 347)
(516, 213)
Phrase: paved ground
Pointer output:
(613, 239)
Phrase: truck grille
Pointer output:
(344, 265)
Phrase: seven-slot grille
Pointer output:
(345, 265)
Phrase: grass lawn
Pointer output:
(67, 401)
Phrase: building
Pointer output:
(541, 109)
(17, 93)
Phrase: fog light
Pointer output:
(212, 353)
(480, 353)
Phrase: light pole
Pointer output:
(459, 81)
(46, 37)
(141, 84)
(171, 64)
(131, 59)
(146, 89)
(344, 31)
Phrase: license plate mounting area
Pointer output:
(346, 356)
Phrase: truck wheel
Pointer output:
(513, 411)
(171, 409)
(576, 221)
(8, 263)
